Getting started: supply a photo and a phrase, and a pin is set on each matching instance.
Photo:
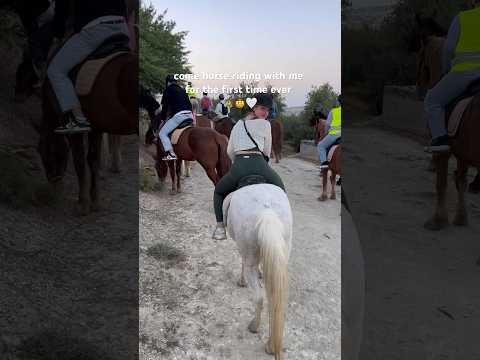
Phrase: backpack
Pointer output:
(224, 109)
(205, 103)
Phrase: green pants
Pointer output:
(242, 166)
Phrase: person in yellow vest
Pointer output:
(461, 66)
(333, 128)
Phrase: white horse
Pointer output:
(259, 219)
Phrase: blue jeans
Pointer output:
(324, 144)
(171, 125)
(448, 88)
(72, 53)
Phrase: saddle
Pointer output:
(456, 108)
(84, 74)
(177, 132)
(245, 181)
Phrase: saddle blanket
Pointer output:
(89, 71)
(331, 152)
(457, 114)
(177, 133)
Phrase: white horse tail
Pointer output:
(274, 260)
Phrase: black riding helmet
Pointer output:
(170, 79)
(264, 100)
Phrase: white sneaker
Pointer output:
(73, 127)
(220, 233)
(169, 157)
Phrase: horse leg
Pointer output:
(323, 197)
(242, 282)
(94, 158)
(179, 173)
(114, 143)
(474, 186)
(440, 218)
(333, 175)
(254, 283)
(461, 185)
(171, 168)
(187, 168)
(78, 153)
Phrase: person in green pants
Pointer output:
(247, 156)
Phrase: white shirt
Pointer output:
(259, 129)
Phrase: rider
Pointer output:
(205, 103)
(319, 120)
(333, 127)
(221, 109)
(94, 22)
(461, 66)
(176, 108)
(248, 158)
(272, 114)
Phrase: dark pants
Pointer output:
(243, 165)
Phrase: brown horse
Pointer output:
(464, 145)
(334, 167)
(204, 145)
(224, 126)
(277, 138)
(113, 112)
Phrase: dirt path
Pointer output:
(190, 305)
(422, 293)
(65, 280)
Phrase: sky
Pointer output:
(288, 37)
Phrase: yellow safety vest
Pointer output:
(336, 123)
(467, 51)
(191, 92)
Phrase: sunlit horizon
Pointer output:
(284, 37)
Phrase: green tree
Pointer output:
(162, 51)
(322, 95)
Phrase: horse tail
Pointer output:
(224, 163)
(274, 260)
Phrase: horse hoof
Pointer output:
(435, 224)
(82, 209)
(242, 283)
(322, 198)
(460, 220)
(268, 348)
(252, 327)
(333, 197)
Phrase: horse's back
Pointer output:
(248, 204)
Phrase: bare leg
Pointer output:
(440, 218)
(461, 184)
